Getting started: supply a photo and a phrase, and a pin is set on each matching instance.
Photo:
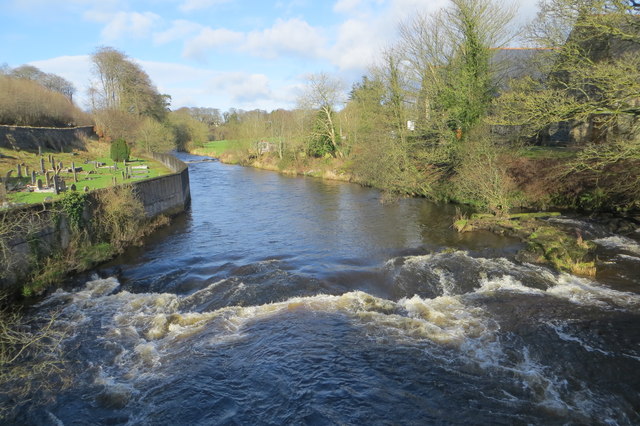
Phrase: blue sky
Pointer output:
(211, 53)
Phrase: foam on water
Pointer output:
(627, 257)
(584, 291)
(559, 329)
(619, 242)
(147, 332)
(486, 276)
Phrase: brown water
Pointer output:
(280, 300)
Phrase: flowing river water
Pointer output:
(289, 300)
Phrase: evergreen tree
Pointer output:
(119, 150)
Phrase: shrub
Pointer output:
(482, 177)
(73, 206)
(33, 367)
(119, 150)
(119, 216)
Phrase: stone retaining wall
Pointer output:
(165, 194)
(49, 230)
(52, 138)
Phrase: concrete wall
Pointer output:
(47, 231)
(165, 194)
(52, 138)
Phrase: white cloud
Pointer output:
(180, 29)
(76, 69)
(345, 6)
(209, 39)
(404, 8)
(291, 36)
(357, 45)
(124, 24)
(191, 5)
(371, 28)
(187, 85)
(243, 87)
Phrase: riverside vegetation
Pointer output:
(130, 117)
(451, 115)
(444, 115)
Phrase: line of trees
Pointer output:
(30, 97)
(126, 105)
(443, 115)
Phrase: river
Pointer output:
(291, 300)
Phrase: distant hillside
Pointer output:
(27, 103)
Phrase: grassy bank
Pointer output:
(97, 226)
(530, 169)
(545, 243)
(91, 176)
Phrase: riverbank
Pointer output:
(41, 244)
(355, 309)
(561, 249)
(323, 168)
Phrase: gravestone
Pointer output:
(26, 171)
(42, 170)
(75, 175)
(86, 189)
(39, 150)
(73, 187)
(19, 171)
(33, 177)
(39, 184)
(48, 179)
(59, 184)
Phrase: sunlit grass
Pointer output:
(90, 177)
(216, 148)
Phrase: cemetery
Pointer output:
(28, 177)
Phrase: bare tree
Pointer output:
(50, 81)
(323, 93)
(123, 85)
(448, 55)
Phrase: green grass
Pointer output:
(102, 178)
(216, 148)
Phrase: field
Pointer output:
(216, 148)
(91, 176)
